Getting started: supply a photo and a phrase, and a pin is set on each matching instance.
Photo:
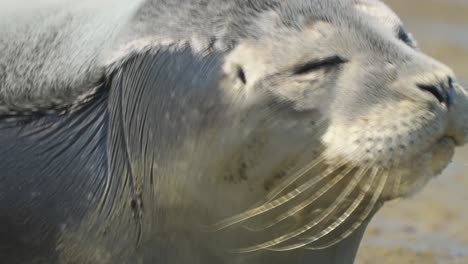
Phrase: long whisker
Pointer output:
(362, 217)
(296, 176)
(306, 203)
(335, 224)
(320, 218)
(398, 174)
(396, 185)
(273, 204)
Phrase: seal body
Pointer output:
(216, 131)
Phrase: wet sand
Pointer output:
(432, 226)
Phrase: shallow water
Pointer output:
(432, 226)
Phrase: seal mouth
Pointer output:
(452, 141)
(458, 142)
(414, 174)
(446, 141)
(442, 154)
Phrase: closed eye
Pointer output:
(405, 37)
(318, 64)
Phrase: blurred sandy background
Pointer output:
(431, 227)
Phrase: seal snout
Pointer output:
(458, 121)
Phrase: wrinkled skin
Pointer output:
(278, 148)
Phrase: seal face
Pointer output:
(260, 127)
(392, 118)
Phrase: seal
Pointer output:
(214, 131)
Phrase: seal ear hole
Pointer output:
(241, 75)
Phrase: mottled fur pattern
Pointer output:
(298, 118)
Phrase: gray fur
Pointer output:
(203, 112)
(53, 51)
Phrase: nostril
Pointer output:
(437, 91)
(450, 82)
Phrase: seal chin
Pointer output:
(418, 172)
(442, 154)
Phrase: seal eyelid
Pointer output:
(318, 64)
(405, 37)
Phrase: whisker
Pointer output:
(362, 217)
(296, 176)
(268, 203)
(272, 204)
(397, 178)
(396, 185)
(335, 224)
(304, 204)
(320, 218)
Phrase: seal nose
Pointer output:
(443, 91)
